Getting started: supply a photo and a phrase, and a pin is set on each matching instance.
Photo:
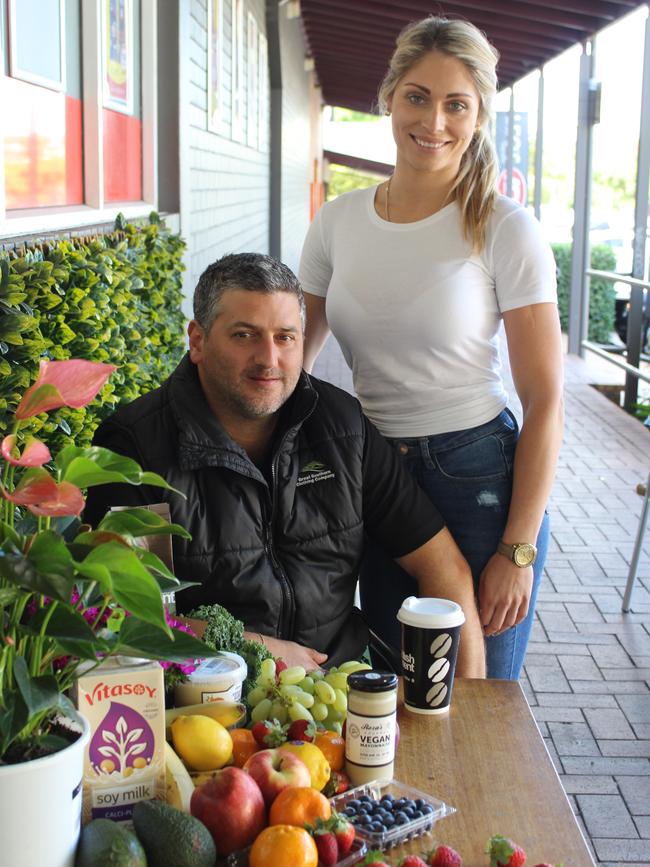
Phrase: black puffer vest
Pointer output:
(283, 557)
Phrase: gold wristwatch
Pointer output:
(522, 554)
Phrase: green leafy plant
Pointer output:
(602, 295)
(64, 587)
(113, 298)
(225, 632)
(642, 411)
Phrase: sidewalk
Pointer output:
(587, 673)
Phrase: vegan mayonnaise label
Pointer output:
(370, 740)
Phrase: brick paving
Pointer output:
(587, 672)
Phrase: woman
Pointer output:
(418, 274)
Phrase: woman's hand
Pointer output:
(504, 594)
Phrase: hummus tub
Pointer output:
(217, 679)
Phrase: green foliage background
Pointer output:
(114, 298)
(343, 179)
(602, 296)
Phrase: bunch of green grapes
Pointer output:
(291, 694)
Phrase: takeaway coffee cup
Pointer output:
(430, 636)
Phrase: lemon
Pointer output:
(202, 742)
(313, 757)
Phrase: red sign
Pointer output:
(519, 192)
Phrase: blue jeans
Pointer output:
(468, 476)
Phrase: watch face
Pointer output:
(524, 555)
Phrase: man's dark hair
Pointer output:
(253, 272)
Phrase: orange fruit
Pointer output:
(243, 746)
(332, 746)
(280, 845)
(300, 806)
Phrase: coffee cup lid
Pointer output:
(430, 613)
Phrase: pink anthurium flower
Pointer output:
(68, 501)
(35, 453)
(43, 496)
(34, 487)
(63, 383)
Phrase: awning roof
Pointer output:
(351, 40)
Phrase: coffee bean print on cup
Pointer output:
(441, 645)
(437, 694)
(438, 670)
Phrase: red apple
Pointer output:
(231, 807)
(274, 770)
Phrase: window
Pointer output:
(215, 65)
(42, 133)
(82, 95)
(121, 122)
(238, 70)
(253, 83)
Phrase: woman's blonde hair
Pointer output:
(475, 185)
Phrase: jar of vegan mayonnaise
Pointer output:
(370, 726)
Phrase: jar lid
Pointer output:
(372, 681)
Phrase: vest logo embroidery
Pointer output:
(314, 472)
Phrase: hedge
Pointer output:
(602, 295)
(114, 298)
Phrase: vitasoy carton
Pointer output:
(125, 759)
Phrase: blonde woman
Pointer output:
(414, 277)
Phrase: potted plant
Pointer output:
(64, 590)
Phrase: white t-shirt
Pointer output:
(416, 312)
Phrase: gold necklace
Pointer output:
(388, 199)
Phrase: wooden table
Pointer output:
(487, 758)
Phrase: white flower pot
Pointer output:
(40, 807)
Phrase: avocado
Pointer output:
(104, 843)
(172, 838)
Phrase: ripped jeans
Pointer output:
(468, 476)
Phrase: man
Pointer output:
(282, 475)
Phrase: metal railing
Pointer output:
(634, 327)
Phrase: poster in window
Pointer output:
(252, 109)
(237, 7)
(263, 103)
(117, 42)
(37, 42)
(215, 65)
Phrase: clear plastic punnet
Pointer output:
(404, 828)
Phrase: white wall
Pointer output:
(296, 170)
(225, 184)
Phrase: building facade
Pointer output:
(205, 110)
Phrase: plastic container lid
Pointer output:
(227, 665)
(430, 613)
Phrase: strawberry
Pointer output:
(374, 857)
(444, 856)
(268, 733)
(337, 784)
(504, 853)
(301, 730)
(344, 833)
(411, 861)
(280, 665)
(328, 851)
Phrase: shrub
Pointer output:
(602, 295)
(112, 298)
